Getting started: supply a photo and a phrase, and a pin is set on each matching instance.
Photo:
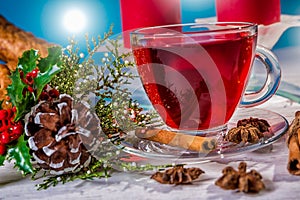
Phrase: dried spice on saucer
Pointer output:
(293, 142)
(177, 139)
(248, 130)
(262, 124)
(243, 181)
(177, 175)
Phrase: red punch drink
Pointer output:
(138, 13)
(195, 82)
(257, 11)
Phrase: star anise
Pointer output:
(177, 175)
(248, 182)
(261, 124)
(247, 133)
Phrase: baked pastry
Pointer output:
(14, 41)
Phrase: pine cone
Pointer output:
(62, 136)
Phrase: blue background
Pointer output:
(43, 17)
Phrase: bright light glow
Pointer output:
(74, 21)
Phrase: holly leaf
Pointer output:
(20, 153)
(15, 89)
(23, 102)
(28, 61)
(2, 159)
(49, 67)
(53, 58)
(45, 77)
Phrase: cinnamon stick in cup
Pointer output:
(177, 139)
(293, 142)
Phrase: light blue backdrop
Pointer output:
(44, 17)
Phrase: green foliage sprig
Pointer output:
(103, 83)
(97, 169)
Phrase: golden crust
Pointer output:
(4, 81)
(14, 41)
(293, 142)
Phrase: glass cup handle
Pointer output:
(271, 84)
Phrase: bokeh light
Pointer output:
(74, 20)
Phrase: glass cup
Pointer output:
(195, 75)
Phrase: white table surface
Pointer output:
(272, 165)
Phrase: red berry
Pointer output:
(30, 89)
(5, 138)
(2, 149)
(3, 114)
(34, 73)
(14, 137)
(17, 129)
(25, 90)
(45, 87)
(44, 96)
(10, 113)
(54, 93)
(14, 109)
(29, 79)
(21, 74)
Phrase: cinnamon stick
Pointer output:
(176, 139)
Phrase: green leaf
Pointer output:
(15, 92)
(2, 159)
(54, 58)
(49, 67)
(44, 78)
(28, 61)
(20, 153)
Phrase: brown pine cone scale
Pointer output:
(62, 136)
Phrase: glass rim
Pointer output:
(238, 26)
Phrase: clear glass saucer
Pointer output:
(157, 151)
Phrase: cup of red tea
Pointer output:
(195, 75)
